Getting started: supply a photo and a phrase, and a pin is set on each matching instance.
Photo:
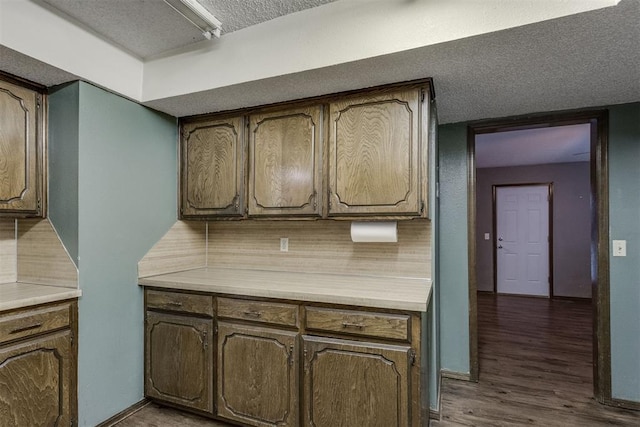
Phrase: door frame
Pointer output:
(599, 166)
(494, 190)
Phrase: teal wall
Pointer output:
(624, 220)
(624, 206)
(453, 284)
(127, 184)
(63, 164)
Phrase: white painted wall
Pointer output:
(34, 30)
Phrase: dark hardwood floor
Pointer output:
(535, 368)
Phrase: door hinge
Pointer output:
(412, 357)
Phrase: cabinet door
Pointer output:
(35, 382)
(178, 360)
(213, 168)
(375, 155)
(21, 164)
(285, 174)
(257, 375)
(349, 383)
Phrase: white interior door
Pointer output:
(522, 240)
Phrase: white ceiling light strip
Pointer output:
(198, 15)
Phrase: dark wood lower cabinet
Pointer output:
(278, 363)
(257, 375)
(349, 383)
(35, 387)
(38, 371)
(179, 360)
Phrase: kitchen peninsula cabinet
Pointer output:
(213, 168)
(179, 350)
(22, 159)
(285, 173)
(377, 154)
(38, 356)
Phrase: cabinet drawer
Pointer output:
(23, 324)
(381, 325)
(258, 311)
(176, 301)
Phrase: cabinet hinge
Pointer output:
(205, 343)
(290, 355)
(412, 357)
(421, 207)
(306, 362)
(38, 101)
(38, 204)
(71, 339)
(422, 95)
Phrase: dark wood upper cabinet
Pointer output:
(22, 165)
(377, 154)
(285, 173)
(212, 172)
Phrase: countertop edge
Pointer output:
(305, 294)
(56, 294)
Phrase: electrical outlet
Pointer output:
(619, 248)
(284, 244)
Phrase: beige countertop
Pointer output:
(20, 295)
(400, 293)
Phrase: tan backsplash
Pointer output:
(183, 247)
(319, 247)
(8, 251)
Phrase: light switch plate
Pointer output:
(619, 248)
(487, 236)
(284, 244)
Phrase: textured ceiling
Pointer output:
(560, 144)
(238, 14)
(148, 28)
(583, 60)
(579, 61)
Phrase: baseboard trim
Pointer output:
(125, 413)
(463, 376)
(436, 414)
(622, 403)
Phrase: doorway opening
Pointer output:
(487, 266)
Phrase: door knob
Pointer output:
(500, 247)
(500, 239)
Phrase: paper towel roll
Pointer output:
(374, 231)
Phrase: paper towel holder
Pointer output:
(374, 231)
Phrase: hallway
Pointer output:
(535, 368)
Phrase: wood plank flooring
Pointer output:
(535, 369)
